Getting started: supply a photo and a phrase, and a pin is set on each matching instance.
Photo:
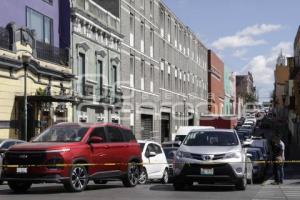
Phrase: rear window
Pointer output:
(215, 138)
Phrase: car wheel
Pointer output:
(143, 177)
(19, 187)
(131, 179)
(178, 185)
(165, 178)
(78, 179)
(100, 182)
(242, 183)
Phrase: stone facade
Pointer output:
(163, 73)
(95, 44)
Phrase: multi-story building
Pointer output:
(215, 84)
(281, 75)
(163, 73)
(95, 58)
(227, 92)
(245, 85)
(35, 77)
(294, 90)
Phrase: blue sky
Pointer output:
(247, 34)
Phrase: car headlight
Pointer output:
(182, 154)
(233, 155)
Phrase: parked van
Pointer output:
(183, 131)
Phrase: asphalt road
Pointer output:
(115, 190)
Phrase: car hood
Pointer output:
(43, 146)
(209, 149)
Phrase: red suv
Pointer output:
(73, 154)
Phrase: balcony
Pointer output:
(4, 39)
(52, 54)
(99, 13)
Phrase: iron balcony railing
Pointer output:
(51, 53)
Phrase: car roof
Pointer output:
(184, 130)
(90, 125)
(147, 142)
(218, 130)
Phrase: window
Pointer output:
(100, 76)
(169, 28)
(151, 42)
(142, 75)
(162, 23)
(151, 9)
(151, 77)
(128, 135)
(157, 149)
(162, 74)
(8, 144)
(142, 37)
(132, 71)
(176, 35)
(131, 39)
(42, 25)
(99, 132)
(115, 134)
(49, 1)
(114, 78)
(81, 65)
(142, 4)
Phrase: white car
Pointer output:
(155, 164)
(212, 156)
(183, 131)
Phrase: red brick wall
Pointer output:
(215, 85)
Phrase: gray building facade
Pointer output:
(95, 56)
(163, 71)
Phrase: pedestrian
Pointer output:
(278, 159)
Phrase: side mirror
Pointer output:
(152, 154)
(249, 155)
(95, 140)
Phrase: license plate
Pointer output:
(207, 171)
(21, 170)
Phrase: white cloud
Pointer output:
(245, 37)
(262, 68)
(260, 29)
(239, 53)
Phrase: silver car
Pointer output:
(211, 156)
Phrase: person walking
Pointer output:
(278, 159)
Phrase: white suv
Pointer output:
(154, 162)
(211, 156)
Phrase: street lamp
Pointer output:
(26, 58)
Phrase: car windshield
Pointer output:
(62, 134)
(218, 138)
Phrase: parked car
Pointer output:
(259, 166)
(211, 156)
(171, 144)
(170, 153)
(183, 131)
(155, 162)
(248, 127)
(63, 154)
(258, 142)
(5, 144)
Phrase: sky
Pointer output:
(247, 34)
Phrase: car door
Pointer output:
(148, 162)
(161, 161)
(100, 152)
(118, 147)
(156, 160)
